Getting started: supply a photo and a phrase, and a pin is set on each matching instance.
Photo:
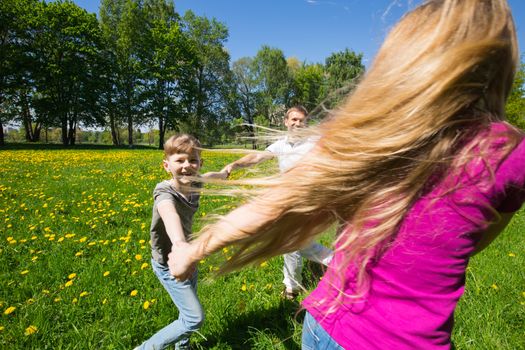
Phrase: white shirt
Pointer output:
(290, 153)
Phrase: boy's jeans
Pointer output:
(315, 337)
(293, 263)
(191, 314)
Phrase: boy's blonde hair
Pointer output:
(443, 73)
(297, 108)
(181, 143)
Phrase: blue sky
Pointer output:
(309, 30)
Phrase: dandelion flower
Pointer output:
(144, 266)
(9, 310)
(243, 288)
(146, 305)
(79, 253)
(74, 301)
(134, 292)
(2, 328)
(57, 299)
(138, 257)
(106, 274)
(71, 276)
(264, 264)
(83, 294)
(512, 255)
(25, 272)
(494, 286)
(30, 330)
(69, 283)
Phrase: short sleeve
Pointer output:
(510, 180)
(273, 148)
(162, 192)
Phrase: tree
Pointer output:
(275, 83)
(209, 83)
(67, 46)
(341, 69)
(309, 86)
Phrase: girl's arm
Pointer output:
(493, 231)
(238, 224)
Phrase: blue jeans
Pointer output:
(191, 314)
(315, 337)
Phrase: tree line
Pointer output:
(142, 63)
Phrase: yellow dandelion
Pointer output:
(57, 299)
(146, 305)
(243, 288)
(74, 301)
(512, 255)
(83, 294)
(9, 310)
(134, 292)
(2, 328)
(138, 257)
(71, 276)
(106, 274)
(264, 264)
(30, 330)
(494, 286)
(105, 301)
(25, 272)
(69, 283)
(45, 291)
(142, 241)
(79, 253)
(144, 266)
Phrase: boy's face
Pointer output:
(183, 165)
(295, 120)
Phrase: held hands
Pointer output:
(180, 261)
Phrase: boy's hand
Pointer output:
(180, 261)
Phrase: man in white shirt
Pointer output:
(288, 152)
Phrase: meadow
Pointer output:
(75, 264)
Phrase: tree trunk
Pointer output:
(130, 131)
(162, 129)
(115, 138)
(36, 132)
(26, 118)
(65, 140)
(2, 138)
(72, 132)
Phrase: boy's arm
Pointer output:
(171, 221)
(493, 231)
(248, 160)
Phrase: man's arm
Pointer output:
(248, 160)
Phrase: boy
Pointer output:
(175, 202)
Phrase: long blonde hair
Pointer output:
(442, 74)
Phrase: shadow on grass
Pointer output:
(240, 332)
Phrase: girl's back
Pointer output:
(416, 283)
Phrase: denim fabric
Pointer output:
(191, 314)
(293, 264)
(315, 337)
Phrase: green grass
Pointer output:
(87, 212)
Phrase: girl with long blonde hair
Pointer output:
(419, 165)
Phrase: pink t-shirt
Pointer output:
(417, 282)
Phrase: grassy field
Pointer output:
(75, 271)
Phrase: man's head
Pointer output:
(182, 157)
(295, 118)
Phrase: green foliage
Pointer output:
(515, 108)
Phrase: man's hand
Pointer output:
(180, 261)
(228, 169)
